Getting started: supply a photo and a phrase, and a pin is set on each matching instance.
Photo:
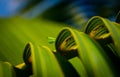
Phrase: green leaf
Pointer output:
(44, 62)
(66, 66)
(65, 44)
(109, 27)
(27, 54)
(6, 70)
(93, 57)
(91, 54)
(78, 65)
(16, 32)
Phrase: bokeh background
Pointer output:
(22, 21)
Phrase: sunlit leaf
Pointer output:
(109, 27)
(91, 54)
(44, 62)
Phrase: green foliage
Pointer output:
(95, 52)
